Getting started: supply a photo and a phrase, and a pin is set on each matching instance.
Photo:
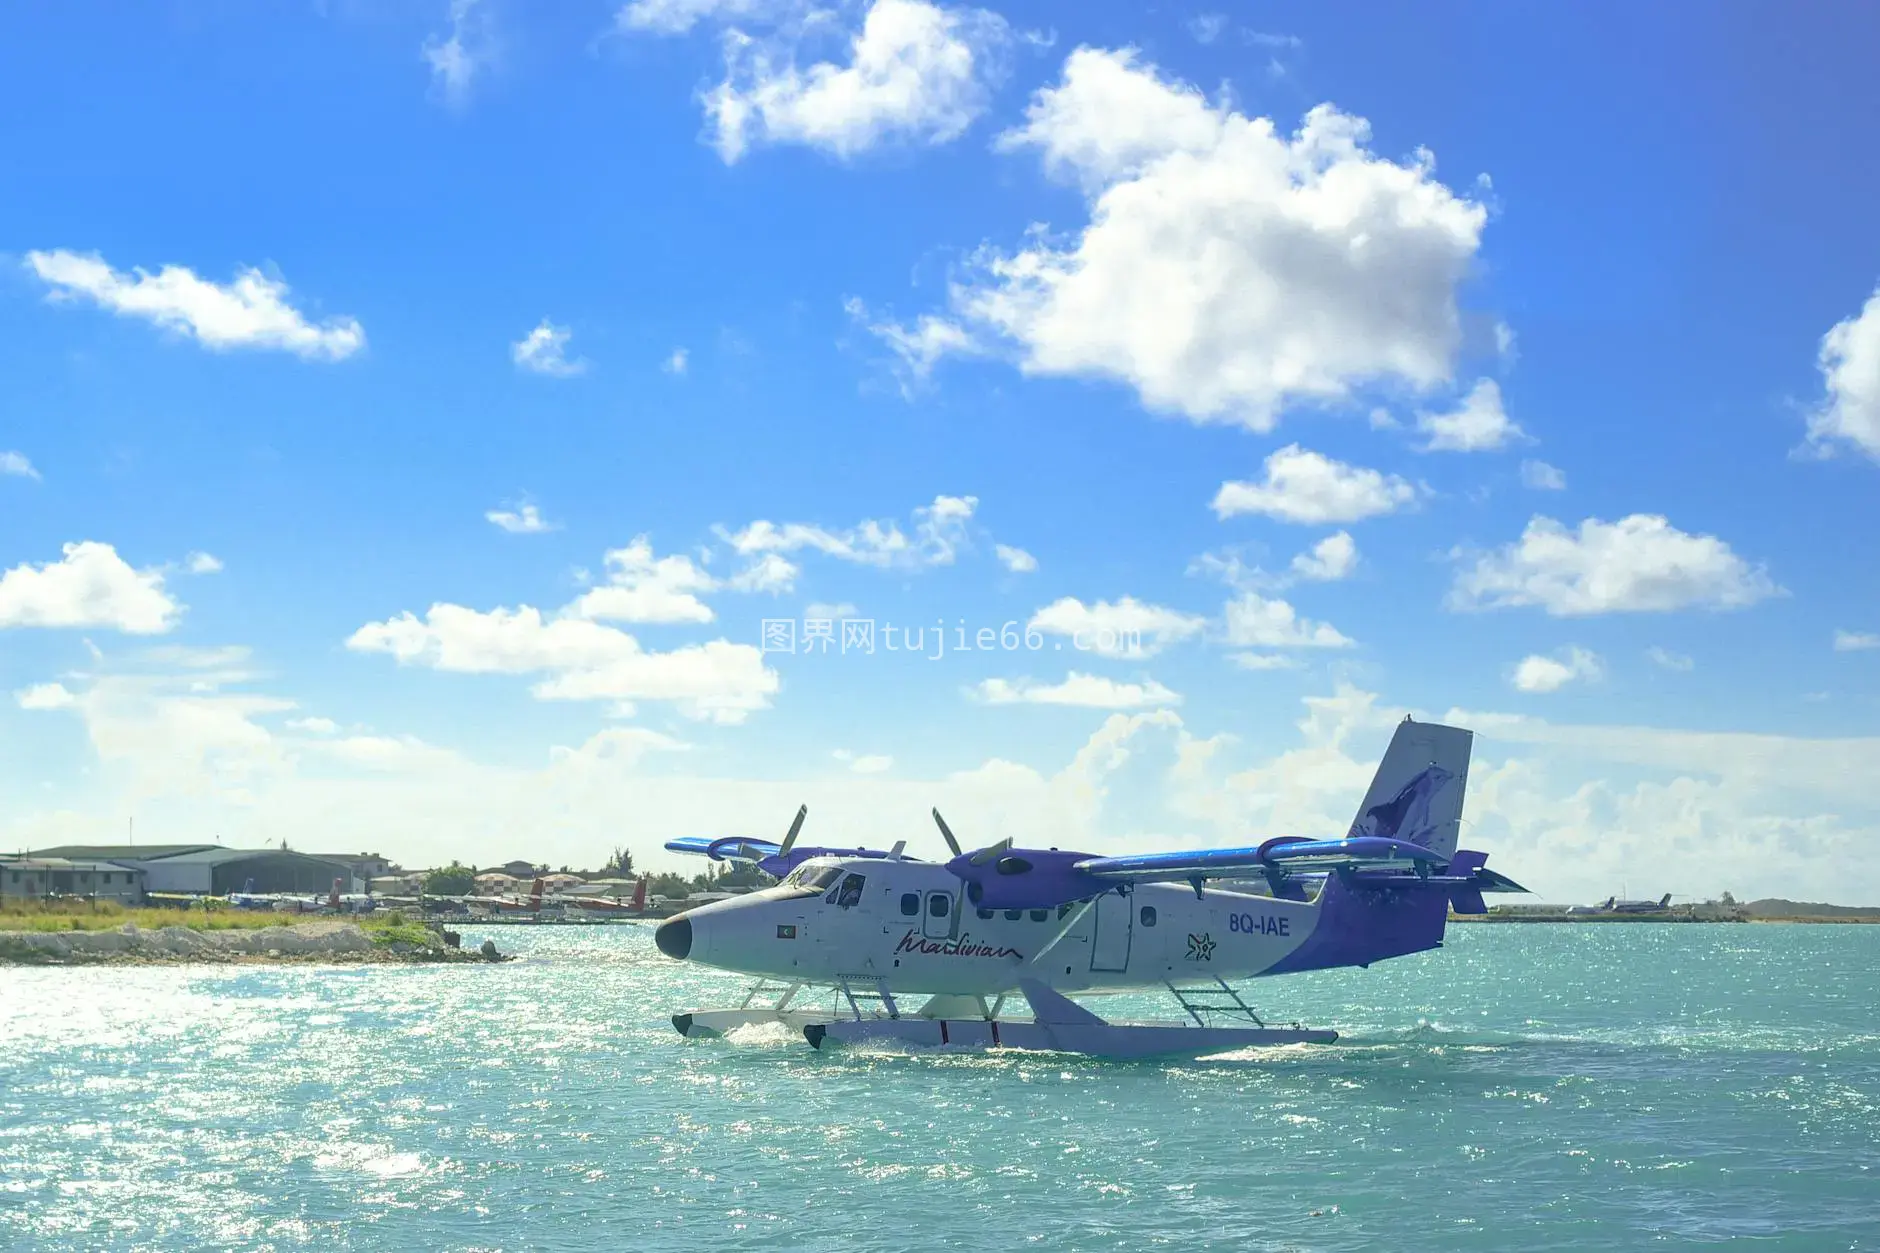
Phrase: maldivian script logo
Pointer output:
(965, 946)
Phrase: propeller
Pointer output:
(946, 833)
(796, 828)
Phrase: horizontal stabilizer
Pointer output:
(1287, 853)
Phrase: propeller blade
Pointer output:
(795, 827)
(992, 852)
(946, 833)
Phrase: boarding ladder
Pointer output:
(877, 991)
(1216, 998)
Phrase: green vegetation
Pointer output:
(70, 915)
(395, 928)
(455, 879)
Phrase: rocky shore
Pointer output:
(321, 941)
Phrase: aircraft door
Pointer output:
(1110, 934)
(937, 920)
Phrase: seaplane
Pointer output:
(607, 908)
(877, 929)
(491, 905)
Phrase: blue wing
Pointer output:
(725, 848)
(1284, 854)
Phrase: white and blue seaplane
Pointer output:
(877, 929)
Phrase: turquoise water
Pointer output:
(1529, 1087)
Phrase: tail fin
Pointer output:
(1416, 794)
(1664, 902)
(639, 895)
(535, 894)
(333, 900)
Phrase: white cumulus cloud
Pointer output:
(43, 696)
(916, 72)
(1017, 560)
(458, 57)
(1665, 659)
(940, 531)
(525, 519)
(1089, 691)
(644, 588)
(204, 563)
(314, 725)
(864, 763)
(1478, 424)
(1310, 488)
(580, 659)
(1639, 564)
(1264, 661)
(16, 465)
(1256, 621)
(677, 363)
(1538, 674)
(544, 350)
(1541, 477)
(1855, 641)
(1123, 628)
(1850, 370)
(676, 17)
(1225, 269)
(249, 312)
(90, 586)
(1329, 560)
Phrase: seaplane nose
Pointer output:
(674, 937)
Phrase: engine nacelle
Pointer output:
(1026, 878)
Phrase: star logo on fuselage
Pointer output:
(1201, 948)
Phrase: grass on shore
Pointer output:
(26, 915)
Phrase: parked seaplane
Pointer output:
(606, 907)
(1045, 923)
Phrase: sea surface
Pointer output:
(1533, 1088)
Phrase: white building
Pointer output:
(36, 877)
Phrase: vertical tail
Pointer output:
(1416, 794)
(1664, 902)
(333, 900)
(639, 895)
(535, 894)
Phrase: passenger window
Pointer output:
(1039, 915)
(939, 905)
(1013, 915)
(1148, 915)
(849, 894)
(910, 903)
(986, 914)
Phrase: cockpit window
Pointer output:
(816, 877)
(849, 894)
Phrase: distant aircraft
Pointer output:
(874, 926)
(1614, 905)
(607, 907)
(509, 904)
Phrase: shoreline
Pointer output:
(324, 941)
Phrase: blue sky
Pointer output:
(1561, 361)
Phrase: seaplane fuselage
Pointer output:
(910, 924)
